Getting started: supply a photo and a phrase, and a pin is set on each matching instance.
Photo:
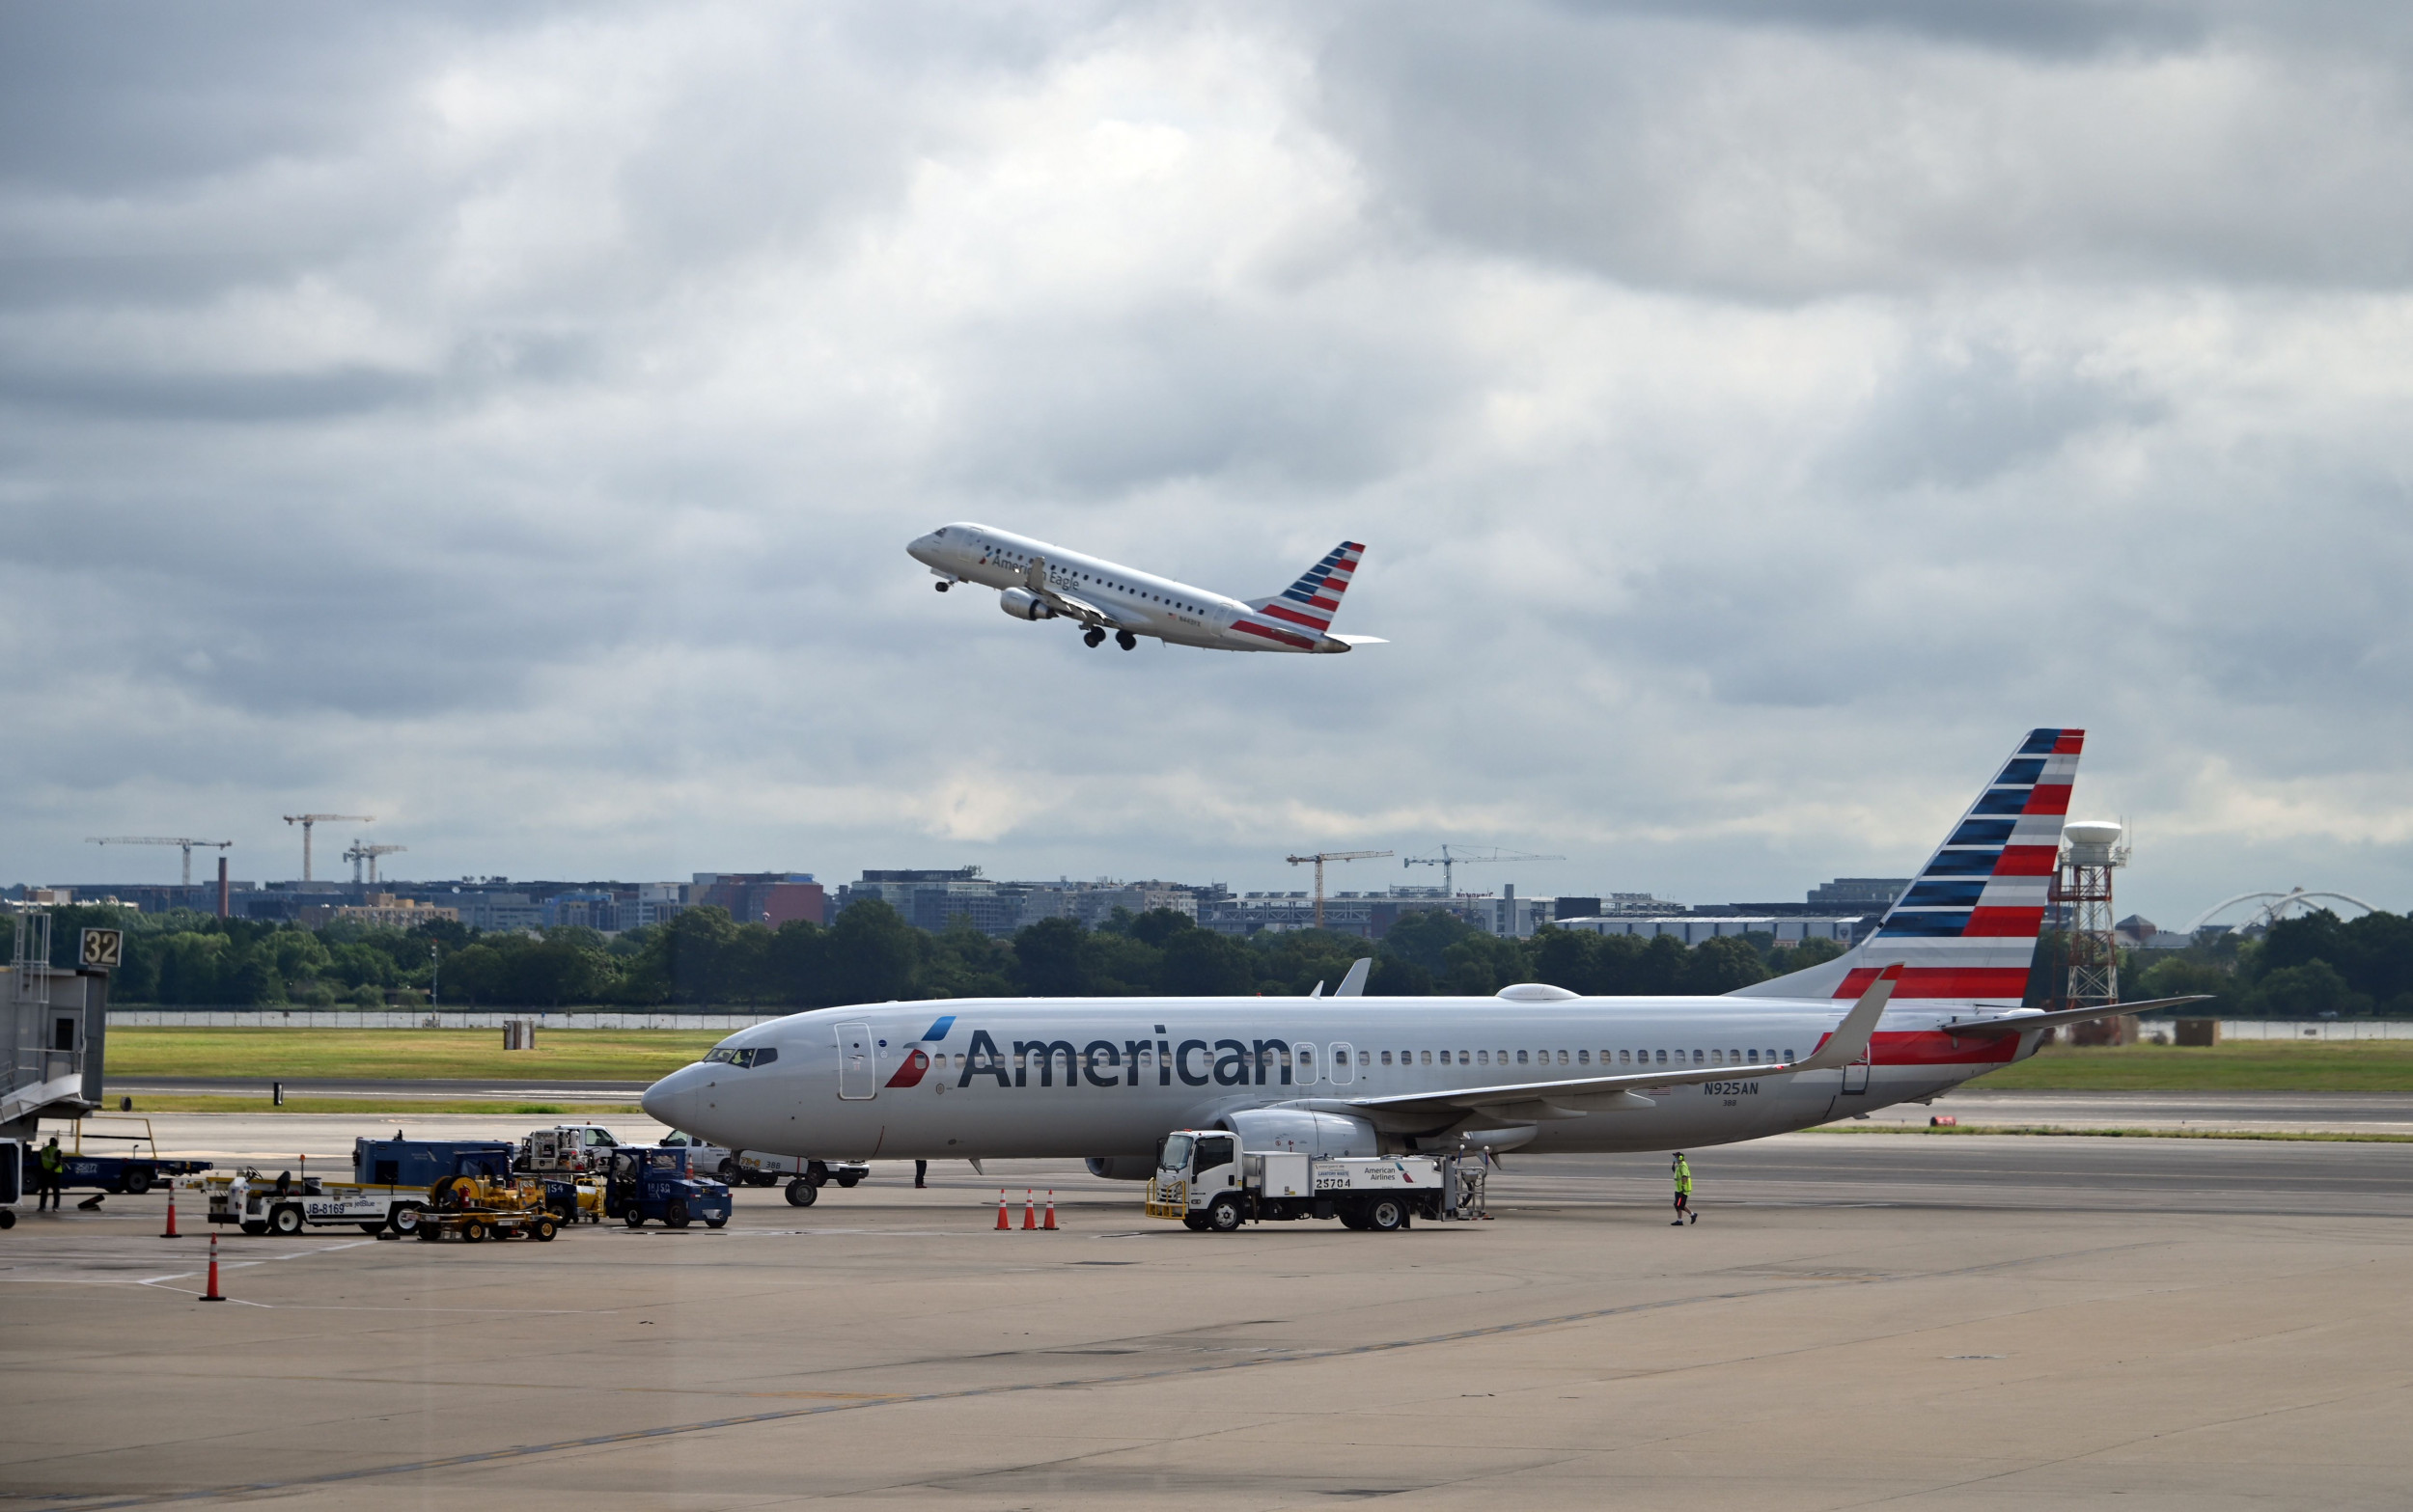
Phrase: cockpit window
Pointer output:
(752, 1056)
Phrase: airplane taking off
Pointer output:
(1534, 1068)
(1037, 581)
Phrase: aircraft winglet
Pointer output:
(1850, 1040)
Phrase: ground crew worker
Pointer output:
(1682, 1172)
(50, 1175)
(921, 1173)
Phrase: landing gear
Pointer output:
(1094, 637)
(941, 586)
(1126, 640)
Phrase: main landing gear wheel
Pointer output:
(1223, 1215)
(800, 1193)
(1094, 637)
(1126, 640)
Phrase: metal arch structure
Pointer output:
(2275, 906)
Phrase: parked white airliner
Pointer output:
(1534, 1067)
(1037, 581)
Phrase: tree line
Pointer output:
(870, 954)
(2300, 969)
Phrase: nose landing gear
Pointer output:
(1094, 637)
(1126, 640)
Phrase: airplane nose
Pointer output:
(672, 1099)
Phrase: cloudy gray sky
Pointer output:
(509, 423)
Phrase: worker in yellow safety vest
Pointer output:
(1682, 1173)
(50, 1176)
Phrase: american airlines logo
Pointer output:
(1107, 1063)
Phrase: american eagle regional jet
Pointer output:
(1928, 1001)
(1037, 581)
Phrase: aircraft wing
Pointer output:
(1035, 579)
(2021, 1023)
(1528, 1101)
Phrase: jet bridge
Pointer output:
(57, 1020)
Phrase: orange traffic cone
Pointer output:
(211, 1295)
(1030, 1211)
(1002, 1226)
(171, 1232)
(1051, 1209)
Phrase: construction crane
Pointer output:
(1449, 860)
(362, 851)
(1322, 856)
(306, 820)
(162, 839)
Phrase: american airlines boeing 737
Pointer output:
(1928, 1001)
(1037, 581)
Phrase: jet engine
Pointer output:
(1319, 1134)
(1023, 604)
(1121, 1167)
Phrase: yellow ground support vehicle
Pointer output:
(475, 1207)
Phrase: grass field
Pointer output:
(572, 1055)
(383, 1109)
(2368, 1066)
(2054, 1131)
(643, 1055)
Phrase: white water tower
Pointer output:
(2082, 890)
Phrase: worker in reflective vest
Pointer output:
(50, 1176)
(1682, 1173)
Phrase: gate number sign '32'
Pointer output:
(105, 948)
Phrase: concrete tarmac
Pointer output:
(1925, 1323)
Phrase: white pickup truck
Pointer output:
(1205, 1179)
(804, 1176)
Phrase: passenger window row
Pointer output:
(1583, 1058)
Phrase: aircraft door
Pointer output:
(1856, 1076)
(1344, 1067)
(858, 1068)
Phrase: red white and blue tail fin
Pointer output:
(1965, 930)
(1311, 602)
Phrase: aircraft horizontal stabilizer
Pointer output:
(1359, 640)
(2021, 1023)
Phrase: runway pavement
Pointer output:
(1917, 1322)
(2343, 1112)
